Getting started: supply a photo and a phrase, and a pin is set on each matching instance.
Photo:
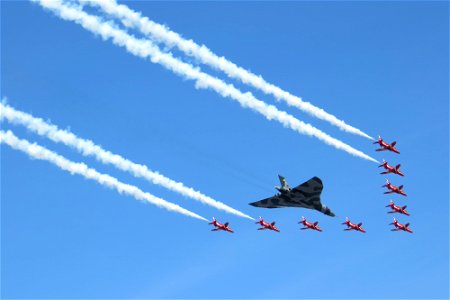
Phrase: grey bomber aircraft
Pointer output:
(306, 195)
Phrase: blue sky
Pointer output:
(382, 67)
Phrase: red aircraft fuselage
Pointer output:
(386, 146)
(309, 225)
(400, 226)
(397, 209)
(391, 169)
(267, 225)
(353, 226)
(220, 226)
(394, 189)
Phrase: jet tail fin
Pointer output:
(284, 185)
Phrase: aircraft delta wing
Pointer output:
(306, 195)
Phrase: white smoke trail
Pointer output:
(161, 33)
(39, 152)
(145, 48)
(87, 147)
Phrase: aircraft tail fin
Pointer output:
(284, 185)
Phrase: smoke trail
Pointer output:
(39, 152)
(87, 147)
(161, 33)
(145, 48)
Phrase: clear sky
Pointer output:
(380, 66)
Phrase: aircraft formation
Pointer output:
(307, 195)
(392, 189)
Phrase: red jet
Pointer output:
(400, 226)
(394, 189)
(220, 226)
(385, 146)
(309, 225)
(397, 209)
(352, 226)
(391, 169)
(266, 225)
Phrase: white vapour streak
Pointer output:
(87, 147)
(145, 48)
(39, 152)
(161, 33)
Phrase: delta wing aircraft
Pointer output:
(306, 195)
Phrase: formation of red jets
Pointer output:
(392, 189)
(271, 226)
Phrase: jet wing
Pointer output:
(314, 186)
(271, 202)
